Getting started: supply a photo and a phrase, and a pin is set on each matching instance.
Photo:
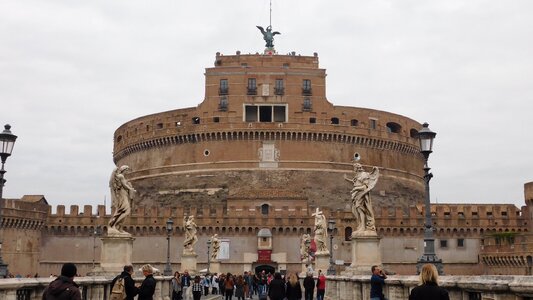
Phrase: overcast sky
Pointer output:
(71, 72)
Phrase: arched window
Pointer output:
(394, 127)
(264, 209)
(413, 133)
(335, 121)
(354, 122)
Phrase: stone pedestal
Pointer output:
(365, 254)
(214, 267)
(321, 263)
(117, 251)
(188, 262)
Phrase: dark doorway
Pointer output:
(267, 268)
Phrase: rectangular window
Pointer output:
(460, 243)
(312, 120)
(444, 243)
(265, 113)
(223, 104)
(252, 86)
(307, 104)
(224, 88)
(279, 88)
(306, 87)
(251, 113)
(373, 124)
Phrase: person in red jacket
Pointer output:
(320, 286)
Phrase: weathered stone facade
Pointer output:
(262, 151)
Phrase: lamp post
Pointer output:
(208, 255)
(331, 228)
(168, 268)
(7, 140)
(425, 137)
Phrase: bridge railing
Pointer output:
(459, 287)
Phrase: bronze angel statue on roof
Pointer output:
(268, 36)
(363, 183)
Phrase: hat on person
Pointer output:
(69, 270)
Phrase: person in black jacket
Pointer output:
(429, 287)
(64, 287)
(147, 289)
(294, 289)
(309, 286)
(129, 284)
(276, 289)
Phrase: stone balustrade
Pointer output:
(459, 287)
(337, 288)
(93, 288)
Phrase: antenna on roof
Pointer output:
(270, 14)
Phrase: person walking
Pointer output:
(309, 286)
(196, 288)
(176, 286)
(320, 286)
(185, 285)
(429, 287)
(377, 281)
(64, 287)
(294, 289)
(206, 283)
(229, 283)
(276, 288)
(239, 287)
(147, 289)
(129, 284)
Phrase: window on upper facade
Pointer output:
(413, 133)
(265, 113)
(223, 103)
(279, 88)
(264, 209)
(224, 87)
(354, 122)
(252, 86)
(373, 124)
(196, 120)
(307, 105)
(393, 127)
(216, 119)
(460, 243)
(306, 87)
(444, 243)
(335, 121)
(348, 234)
(312, 120)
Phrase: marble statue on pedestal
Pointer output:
(321, 233)
(215, 242)
(190, 235)
(363, 183)
(305, 246)
(122, 193)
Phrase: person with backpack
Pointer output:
(64, 287)
(123, 286)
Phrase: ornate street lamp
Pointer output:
(208, 254)
(7, 140)
(426, 137)
(168, 268)
(331, 228)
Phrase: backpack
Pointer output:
(119, 290)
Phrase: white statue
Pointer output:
(305, 246)
(321, 233)
(363, 183)
(215, 242)
(190, 235)
(122, 193)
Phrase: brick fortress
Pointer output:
(262, 150)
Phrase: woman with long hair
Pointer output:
(294, 289)
(429, 287)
